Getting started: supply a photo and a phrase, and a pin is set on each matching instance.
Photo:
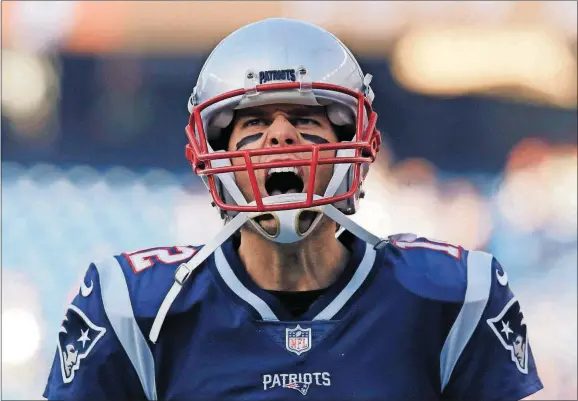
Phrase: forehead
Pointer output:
(289, 109)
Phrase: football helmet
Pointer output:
(289, 62)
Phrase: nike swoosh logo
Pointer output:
(502, 279)
(84, 290)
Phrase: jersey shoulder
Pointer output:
(147, 274)
(109, 320)
(430, 268)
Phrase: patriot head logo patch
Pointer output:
(298, 340)
(510, 328)
(76, 338)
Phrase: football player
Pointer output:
(292, 299)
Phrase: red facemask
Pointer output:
(366, 144)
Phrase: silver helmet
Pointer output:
(276, 61)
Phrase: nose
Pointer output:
(281, 132)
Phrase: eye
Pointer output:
(254, 122)
(304, 121)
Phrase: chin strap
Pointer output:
(287, 221)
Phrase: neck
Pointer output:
(310, 264)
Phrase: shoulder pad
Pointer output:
(429, 268)
(149, 274)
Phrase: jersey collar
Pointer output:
(232, 272)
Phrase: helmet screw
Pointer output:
(302, 71)
(250, 75)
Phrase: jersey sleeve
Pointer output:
(496, 362)
(90, 362)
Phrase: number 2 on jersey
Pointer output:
(145, 258)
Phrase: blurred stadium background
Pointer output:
(477, 103)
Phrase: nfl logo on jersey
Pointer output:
(298, 340)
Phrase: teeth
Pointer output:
(283, 170)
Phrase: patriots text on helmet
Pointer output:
(277, 75)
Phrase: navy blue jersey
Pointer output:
(416, 320)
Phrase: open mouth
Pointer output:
(283, 180)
